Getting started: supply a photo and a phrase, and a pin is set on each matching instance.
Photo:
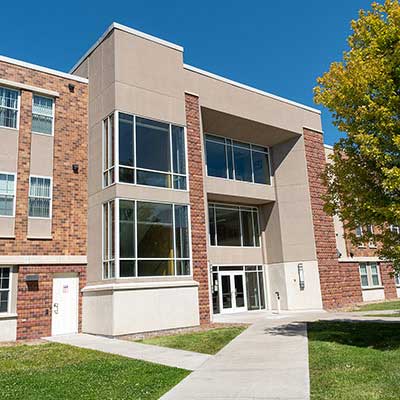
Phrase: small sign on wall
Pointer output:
(65, 289)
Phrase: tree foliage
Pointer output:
(363, 94)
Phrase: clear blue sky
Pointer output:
(277, 46)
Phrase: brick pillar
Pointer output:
(197, 208)
(324, 232)
(388, 281)
(351, 289)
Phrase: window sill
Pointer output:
(39, 237)
(43, 134)
(372, 287)
(7, 127)
(8, 315)
(237, 180)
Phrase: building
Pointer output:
(139, 193)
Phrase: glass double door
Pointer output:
(233, 292)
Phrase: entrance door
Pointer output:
(65, 304)
(232, 293)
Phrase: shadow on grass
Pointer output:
(373, 334)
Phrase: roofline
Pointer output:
(126, 29)
(328, 146)
(249, 88)
(42, 69)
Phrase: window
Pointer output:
(108, 240)
(153, 239)
(369, 273)
(40, 197)
(108, 151)
(395, 229)
(233, 226)
(9, 103)
(231, 159)
(151, 152)
(7, 194)
(397, 278)
(42, 115)
(5, 277)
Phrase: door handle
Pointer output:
(55, 308)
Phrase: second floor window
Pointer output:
(7, 194)
(227, 158)
(8, 107)
(233, 226)
(369, 274)
(42, 115)
(395, 229)
(40, 197)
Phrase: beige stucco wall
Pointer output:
(8, 150)
(41, 155)
(7, 225)
(39, 228)
(220, 255)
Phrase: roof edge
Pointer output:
(126, 29)
(249, 88)
(43, 69)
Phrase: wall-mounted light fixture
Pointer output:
(71, 87)
(300, 271)
(75, 168)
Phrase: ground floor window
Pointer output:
(369, 274)
(237, 288)
(4, 289)
(397, 277)
(145, 239)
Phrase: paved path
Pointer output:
(267, 361)
(160, 355)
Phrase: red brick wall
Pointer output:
(70, 147)
(388, 281)
(197, 208)
(34, 303)
(351, 283)
(324, 232)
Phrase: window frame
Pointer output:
(10, 285)
(370, 275)
(112, 231)
(397, 280)
(395, 229)
(135, 168)
(239, 208)
(107, 170)
(116, 230)
(52, 114)
(14, 194)
(40, 197)
(18, 109)
(229, 143)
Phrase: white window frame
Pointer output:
(10, 285)
(14, 194)
(239, 208)
(397, 280)
(18, 109)
(112, 231)
(52, 114)
(108, 169)
(230, 142)
(39, 197)
(117, 258)
(135, 168)
(369, 275)
(395, 229)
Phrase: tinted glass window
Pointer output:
(127, 228)
(126, 144)
(211, 224)
(261, 167)
(216, 158)
(242, 159)
(155, 267)
(181, 232)
(228, 227)
(247, 226)
(178, 150)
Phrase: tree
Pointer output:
(363, 94)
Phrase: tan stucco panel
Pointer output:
(235, 255)
(41, 155)
(8, 150)
(39, 228)
(7, 225)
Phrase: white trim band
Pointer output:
(33, 260)
(140, 285)
(126, 29)
(250, 88)
(35, 89)
(361, 259)
(43, 69)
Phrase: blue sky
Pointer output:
(277, 46)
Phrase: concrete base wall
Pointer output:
(8, 329)
(373, 294)
(134, 308)
(283, 277)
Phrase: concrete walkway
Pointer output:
(159, 355)
(267, 361)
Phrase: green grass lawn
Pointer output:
(354, 360)
(208, 342)
(55, 371)
(386, 305)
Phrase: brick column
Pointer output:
(324, 232)
(197, 208)
(351, 282)
(388, 281)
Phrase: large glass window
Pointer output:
(151, 153)
(42, 115)
(236, 160)
(4, 289)
(40, 197)
(233, 225)
(108, 151)
(7, 194)
(153, 239)
(8, 107)
(369, 274)
(109, 240)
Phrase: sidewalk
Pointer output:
(160, 355)
(267, 361)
